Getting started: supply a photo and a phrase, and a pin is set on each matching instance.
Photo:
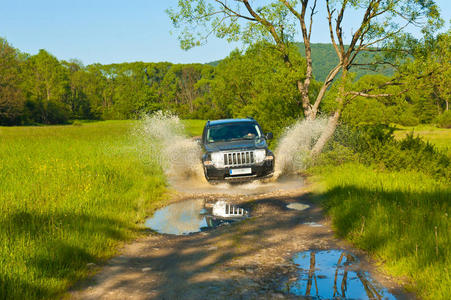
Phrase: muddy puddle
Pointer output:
(198, 185)
(194, 215)
(332, 274)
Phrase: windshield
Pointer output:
(233, 131)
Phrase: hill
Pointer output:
(324, 59)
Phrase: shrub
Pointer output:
(444, 120)
(376, 145)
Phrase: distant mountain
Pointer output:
(324, 59)
(214, 63)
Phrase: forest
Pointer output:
(40, 89)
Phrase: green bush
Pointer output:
(407, 118)
(444, 120)
(375, 145)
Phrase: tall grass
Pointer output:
(69, 195)
(403, 218)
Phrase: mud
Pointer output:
(251, 259)
(199, 186)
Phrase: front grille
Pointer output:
(239, 158)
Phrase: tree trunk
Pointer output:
(327, 133)
(333, 120)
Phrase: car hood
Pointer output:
(236, 145)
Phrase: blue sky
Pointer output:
(110, 31)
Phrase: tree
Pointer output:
(258, 83)
(433, 58)
(76, 97)
(46, 84)
(381, 26)
(11, 97)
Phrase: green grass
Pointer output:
(69, 196)
(440, 137)
(394, 216)
(194, 127)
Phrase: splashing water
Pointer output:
(178, 154)
(161, 139)
(295, 145)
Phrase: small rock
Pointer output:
(298, 206)
(214, 248)
(90, 265)
(250, 271)
(146, 269)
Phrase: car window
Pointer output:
(233, 131)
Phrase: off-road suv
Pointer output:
(236, 150)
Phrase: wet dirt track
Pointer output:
(252, 259)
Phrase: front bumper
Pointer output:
(261, 170)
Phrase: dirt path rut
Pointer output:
(246, 260)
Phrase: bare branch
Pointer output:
(227, 8)
(376, 63)
(368, 95)
(264, 22)
(311, 20)
(332, 38)
(386, 36)
(338, 29)
(366, 17)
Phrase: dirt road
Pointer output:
(252, 259)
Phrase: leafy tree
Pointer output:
(180, 89)
(76, 97)
(45, 85)
(258, 83)
(381, 27)
(11, 97)
(430, 73)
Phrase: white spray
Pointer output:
(295, 145)
(162, 139)
(168, 143)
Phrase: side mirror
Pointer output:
(269, 135)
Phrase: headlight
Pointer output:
(218, 159)
(259, 155)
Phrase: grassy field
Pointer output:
(69, 195)
(440, 137)
(402, 218)
(194, 127)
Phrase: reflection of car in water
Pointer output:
(236, 150)
(221, 213)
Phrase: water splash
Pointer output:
(293, 151)
(168, 144)
(161, 138)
